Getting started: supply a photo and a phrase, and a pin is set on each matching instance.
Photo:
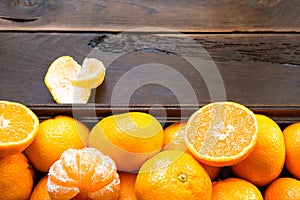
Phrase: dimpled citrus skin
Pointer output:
(292, 145)
(235, 188)
(266, 161)
(128, 138)
(174, 140)
(283, 189)
(40, 190)
(127, 181)
(16, 177)
(172, 175)
(54, 136)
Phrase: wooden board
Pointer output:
(184, 16)
(260, 71)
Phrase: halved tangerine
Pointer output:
(18, 127)
(221, 133)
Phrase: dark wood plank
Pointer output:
(260, 71)
(184, 16)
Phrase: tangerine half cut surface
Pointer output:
(221, 133)
(18, 127)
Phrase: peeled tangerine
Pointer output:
(68, 82)
(83, 174)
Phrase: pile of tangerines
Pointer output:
(131, 156)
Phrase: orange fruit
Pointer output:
(129, 138)
(18, 127)
(266, 161)
(83, 174)
(235, 188)
(174, 140)
(127, 191)
(54, 137)
(40, 190)
(283, 189)
(212, 171)
(174, 137)
(221, 133)
(16, 177)
(292, 144)
(172, 175)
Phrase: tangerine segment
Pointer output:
(18, 127)
(221, 133)
(91, 74)
(83, 174)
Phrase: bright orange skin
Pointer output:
(54, 137)
(174, 140)
(40, 191)
(174, 137)
(283, 189)
(292, 145)
(127, 181)
(172, 175)
(266, 161)
(128, 138)
(16, 177)
(235, 188)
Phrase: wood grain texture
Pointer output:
(183, 16)
(260, 71)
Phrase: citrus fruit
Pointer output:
(212, 171)
(174, 137)
(221, 133)
(292, 144)
(83, 174)
(54, 136)
(235, 188)
(266, 161)
(127, 191)
(172, 175)
(18, 127)
(59, 80)
(174, 140)
(91, 74)
(129, 138)
(40, 190)
(283, 189)
(16, 177)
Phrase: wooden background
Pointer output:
(255, 45)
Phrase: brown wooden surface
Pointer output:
(185, 16)
(258, 70)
